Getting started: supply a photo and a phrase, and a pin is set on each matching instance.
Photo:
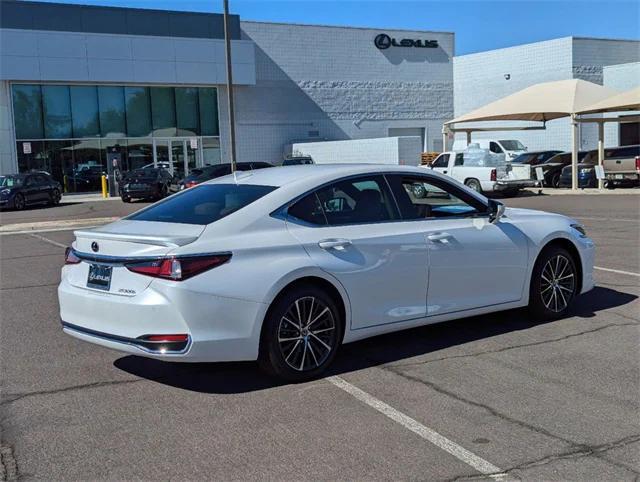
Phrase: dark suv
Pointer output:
(202, 174)
(20, 190)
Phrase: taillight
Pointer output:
(494, 175)
(178, 268)
(638, 163)
(189, 184)
(70, 257)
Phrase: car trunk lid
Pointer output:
(108, 248)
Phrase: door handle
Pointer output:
(339, 244)
(438, 237)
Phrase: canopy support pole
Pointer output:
(468, 138)
(445, 135)
(574, 153)
(600, 150)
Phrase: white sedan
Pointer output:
(283, 265)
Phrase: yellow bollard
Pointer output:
(104, 186)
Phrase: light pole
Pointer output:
(232, 124)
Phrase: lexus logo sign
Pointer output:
(384, 41)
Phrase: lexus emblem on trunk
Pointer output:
(95, 247)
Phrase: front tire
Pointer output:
(554, 284)
(54, 198)
(301, 334)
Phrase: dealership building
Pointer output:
(86, 89)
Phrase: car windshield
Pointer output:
(512, 145)
(10, 181)
(144, 173)
(203, 204)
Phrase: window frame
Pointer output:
(282, 212)
(446, 186)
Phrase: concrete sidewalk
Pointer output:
(84, 198)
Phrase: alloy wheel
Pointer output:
(557, 283)
(307, 334)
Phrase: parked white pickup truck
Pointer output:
(498, 177)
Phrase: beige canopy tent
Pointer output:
(539, 103)
(623, 102)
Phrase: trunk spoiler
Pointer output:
(170, 241)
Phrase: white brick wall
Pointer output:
(333, 83)
(619, 77)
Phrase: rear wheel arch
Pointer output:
(318, 282)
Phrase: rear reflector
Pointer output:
(70, 257)
(178, 268)
(166, 338)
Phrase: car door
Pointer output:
(472, 263)
(351, 229)
(44, 187)
(441, 163)
(31, 190)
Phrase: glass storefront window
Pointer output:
(187, 115)
(163, 111)
(84, 111)
(208, 106)
(27, 111)
(210, 151)
(140, 153)
(88, 166)
(60, 156)
(56, 110)
(32, 157)
(112, 117)
(138, 110)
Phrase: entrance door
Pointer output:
(178, 155)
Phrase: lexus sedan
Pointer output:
(148, 183)
(18, 191)
(283, 265)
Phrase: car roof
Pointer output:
(313, 173)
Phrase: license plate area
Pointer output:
(99, 277)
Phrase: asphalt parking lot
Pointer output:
(499, 394)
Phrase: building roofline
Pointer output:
(296, 24)
(568, 37)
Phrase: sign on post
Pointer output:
(26, 147)
(194, 143)
(599, 172)
(539, 174)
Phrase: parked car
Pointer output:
(297, 160)
(18, 191)
(622, 166)
(150, 183)
(505, 178)
(286, 264)
(202, 174)
(552, 167)
(511, 148)
(586, 172)
(534, 158)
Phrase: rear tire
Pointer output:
(554, 284)
(301, 334)
(555, 181)
(126, 199)
(474, 184)
(54, 197)
(18, 202)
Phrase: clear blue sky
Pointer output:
(478, 25)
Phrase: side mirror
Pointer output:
(496, 211)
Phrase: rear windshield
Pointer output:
(203, 204)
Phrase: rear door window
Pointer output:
(203, 204)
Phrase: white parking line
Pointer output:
(619, 271)
(47, 240)
(440, 441)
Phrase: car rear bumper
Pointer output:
(508, 185)
(139, 193)
(219, 328)
(622, 176)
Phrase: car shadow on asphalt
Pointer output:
(227, 378)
